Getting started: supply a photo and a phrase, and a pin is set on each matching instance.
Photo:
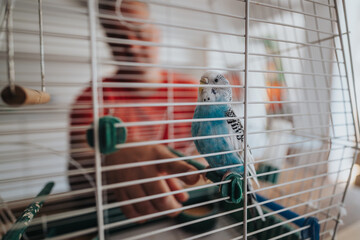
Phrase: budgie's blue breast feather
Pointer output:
(218, 144)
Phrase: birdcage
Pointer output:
(98, 101)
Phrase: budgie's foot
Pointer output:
(233, 189)
(212, 175)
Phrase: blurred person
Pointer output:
(124, 21)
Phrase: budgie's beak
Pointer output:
(203, 81)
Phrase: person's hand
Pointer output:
(146, 153)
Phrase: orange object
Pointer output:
(274, 95)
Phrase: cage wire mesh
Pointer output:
(289, 66)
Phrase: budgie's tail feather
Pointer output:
(260, 211)
(252, 200)
(250, 163)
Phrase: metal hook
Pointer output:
(41, 33)
(10, 45)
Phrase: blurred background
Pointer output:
(300, 112)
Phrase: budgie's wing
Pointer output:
(237, 141)
(209, 128)
(195, 132)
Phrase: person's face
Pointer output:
(121, 30)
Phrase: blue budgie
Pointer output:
(235, 141)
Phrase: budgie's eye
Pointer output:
(216, 80)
